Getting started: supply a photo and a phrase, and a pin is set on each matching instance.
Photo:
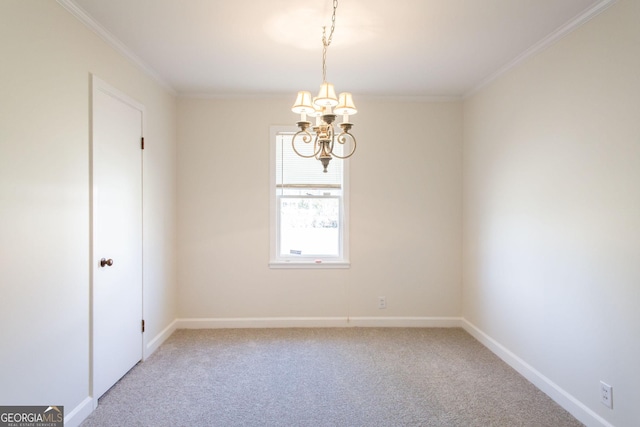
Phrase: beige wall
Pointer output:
(405, 214)
(47, 58)
(552, 212)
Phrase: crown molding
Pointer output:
(543, 44)
(114, 42)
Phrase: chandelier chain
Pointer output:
(326, 41)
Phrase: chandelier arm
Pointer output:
(342, 139)
(306, 138)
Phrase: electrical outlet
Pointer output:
(606, 396)
(382, 302)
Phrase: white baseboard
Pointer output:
(576, 408)
(318, 322)
(406, 322)
(158, 340)
(79, 413)
(260, 322)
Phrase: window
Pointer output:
(309, 209)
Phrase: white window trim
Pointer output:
(304, 263)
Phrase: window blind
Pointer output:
(295, 171)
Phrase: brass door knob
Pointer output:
(108, 262)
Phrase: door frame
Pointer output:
(99, 85)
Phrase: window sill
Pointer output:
(309, 264)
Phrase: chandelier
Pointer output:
(324, 108)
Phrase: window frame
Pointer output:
(278, 261)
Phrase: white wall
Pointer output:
(405, 214)
(552, 213)
(47, 58)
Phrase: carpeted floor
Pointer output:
(325, 377)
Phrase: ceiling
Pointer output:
(399, 48)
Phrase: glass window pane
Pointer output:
(309, 226)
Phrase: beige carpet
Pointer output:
(325, 377)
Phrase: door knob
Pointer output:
(104, 262)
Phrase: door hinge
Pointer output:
(142, 143)
(142, 325)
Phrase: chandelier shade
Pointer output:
(326, 96)
(345, 104)
(303, 103)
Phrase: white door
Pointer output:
(116, 236)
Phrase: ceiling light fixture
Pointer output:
(320, 107)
